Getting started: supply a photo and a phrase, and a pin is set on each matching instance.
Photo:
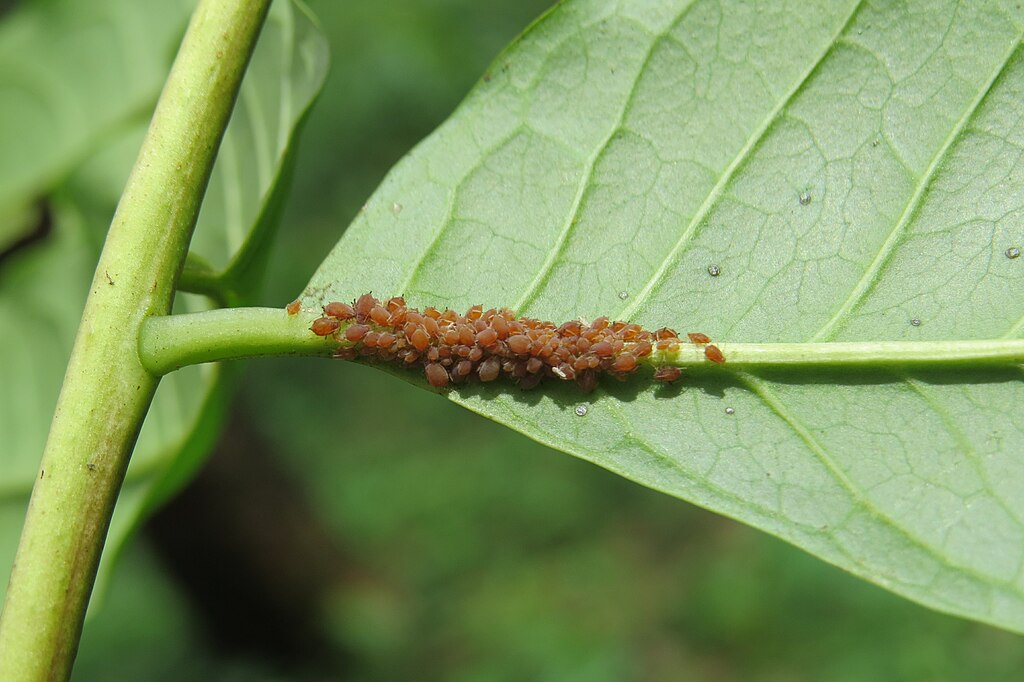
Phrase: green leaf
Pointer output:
(72, 73)
(243, 200)
(848, 171)
(43, 286)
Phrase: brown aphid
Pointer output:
(370, 340)
(356, 332)
(665, 334)
(486, 337)
(667, 373)
(587, 381)
(339, 311)
(489, 369)
(394, 304)
(436, 375)
(364, 304)
(518, 343)
(324, 325)
(642, 349)
(430, 324)
(698, 338)
(385, 340)
(624, 363)
(419, 339)
(380, 315)
(714, 354)
(602, 349)
(475, 312)
(500, 325)
(534, 365)
(294, 307)
(564, 371)
(346, 353)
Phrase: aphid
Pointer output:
(324, 325)
(714, 354)
(339, 311)
(419, 339)
(486, 344)
(356, 332)
(624, 363)
(486, 337)
(489, 369)
(394, 304)
(667, 373)
(436, 375)
(364, 304)
(518, 343)
(294, 307)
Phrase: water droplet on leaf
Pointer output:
(730, 410)
(1013, 252)
(805, 198)
(623, 295)
(714, 270)
(915, 322)
(581, 410)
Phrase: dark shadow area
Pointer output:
(36, 232)
(255, 560)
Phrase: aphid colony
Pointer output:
(486, 344)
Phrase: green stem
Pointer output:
(107, 391)
(172, 342)
(169, 343)
(853, 354)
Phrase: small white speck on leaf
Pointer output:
(1013, 252)
(581, 410)
(805, 198)
(714, 270)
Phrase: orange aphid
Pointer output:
(485, 345)
(324, 325)
(714, 354)
(294, 307)
(339, 311)
(697, 337)
(356, 332)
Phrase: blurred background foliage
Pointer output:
(351, 526)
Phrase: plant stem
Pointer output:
(169, 343)
(851, 354)
(106, 390)
(172, 342)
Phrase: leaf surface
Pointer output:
(794, 172)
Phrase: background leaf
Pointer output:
(848, 169)
(43, 285)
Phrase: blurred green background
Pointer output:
(350, 526)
